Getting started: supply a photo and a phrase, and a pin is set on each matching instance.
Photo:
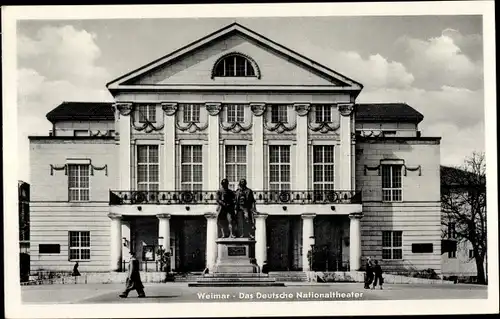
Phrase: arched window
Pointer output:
(234, 65)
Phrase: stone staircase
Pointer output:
(235, 280)
(189, 277)
(288, 276)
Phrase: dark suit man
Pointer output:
(245, 209)
(133, 278)
(369, 273)
(378, 275)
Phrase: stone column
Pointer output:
(355, 241)
(213, 110)
(302, 167)
(211, 254)
(307, 238)
(258, 110)
(345, 146)
(164, 231)
(169, 118)
(116, 242)
(261, 239)
(123, 111)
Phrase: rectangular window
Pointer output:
(191, 113)
(471, 253)
(452, 254)
(323, 170)
(235, 113)
(323, 113)
(79, 245)
(78, 182)
(392, 245)
(49, 249)
(236, 164)
(391, 183)
(148, 168)
(147, 113)
(279, 114)
(279, 167)
(191, 168)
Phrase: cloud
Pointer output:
(451, 59)
(63, 53)
(375, 71)
(56, 65)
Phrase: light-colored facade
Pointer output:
(236, 105)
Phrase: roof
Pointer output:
(95, 111)
(84, 111)
(387, 112)
(234, 28)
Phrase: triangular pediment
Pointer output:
(275, 65)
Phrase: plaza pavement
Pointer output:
(180, 292)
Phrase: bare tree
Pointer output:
(463, 201)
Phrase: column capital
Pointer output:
(358, 215)
(346, 109)
(258, 108)
(115, 216)
(165, 216)
(170, 108)
(302, 109)
(213, 108)
(124, 108)
(308, 215)
(261, 215)
(210, 215)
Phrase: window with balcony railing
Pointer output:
(279, 167)
(148, 168)
(323, 170)
(236, 164)
(191, 168)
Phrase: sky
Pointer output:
(432, 63)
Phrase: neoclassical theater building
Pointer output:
(345, 180)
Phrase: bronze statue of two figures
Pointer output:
(236, 210)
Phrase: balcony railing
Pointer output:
(209, 197)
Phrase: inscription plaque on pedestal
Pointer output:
(236, 251)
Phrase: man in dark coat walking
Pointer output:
(134, 278)
(378, 275)
(369, 273)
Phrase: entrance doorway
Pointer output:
(328, 231)
(191, 237)
(283, 242)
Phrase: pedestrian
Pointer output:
(378, 275)
(75, 270)
(265, 267)
(369, 273)
(256, 268)
(133, 278)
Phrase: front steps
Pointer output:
(289, 276)
(235, 280)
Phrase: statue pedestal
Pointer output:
(234, 254)
(233, 267)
